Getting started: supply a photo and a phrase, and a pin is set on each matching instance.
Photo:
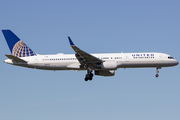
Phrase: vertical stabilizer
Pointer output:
(17, 47)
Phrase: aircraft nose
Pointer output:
(176, 62)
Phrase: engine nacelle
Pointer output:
(108, 65)
(105, 72)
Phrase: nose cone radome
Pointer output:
(176, 62)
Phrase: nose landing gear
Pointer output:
(157, 75)
(157, 71)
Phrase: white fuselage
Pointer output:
(123, 60)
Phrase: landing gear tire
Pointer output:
(88, 77)
(91, 75)
(157, 75)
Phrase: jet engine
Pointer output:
(107, 65)
(105, 72)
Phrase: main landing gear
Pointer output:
(157, 71)
(89, 75)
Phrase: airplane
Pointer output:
(103, 64)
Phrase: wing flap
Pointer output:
(15, 58)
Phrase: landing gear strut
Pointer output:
(89, 75)
(157, 71)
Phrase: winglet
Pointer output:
(70, 41)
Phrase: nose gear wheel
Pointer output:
(157, 71)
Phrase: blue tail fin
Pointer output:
(17, 47)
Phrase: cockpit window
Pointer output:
(170, 57)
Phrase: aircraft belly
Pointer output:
(51, 66)
(136, 64)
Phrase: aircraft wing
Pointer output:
(16, 58)
(83, 57)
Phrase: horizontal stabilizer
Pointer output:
(15, 58)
